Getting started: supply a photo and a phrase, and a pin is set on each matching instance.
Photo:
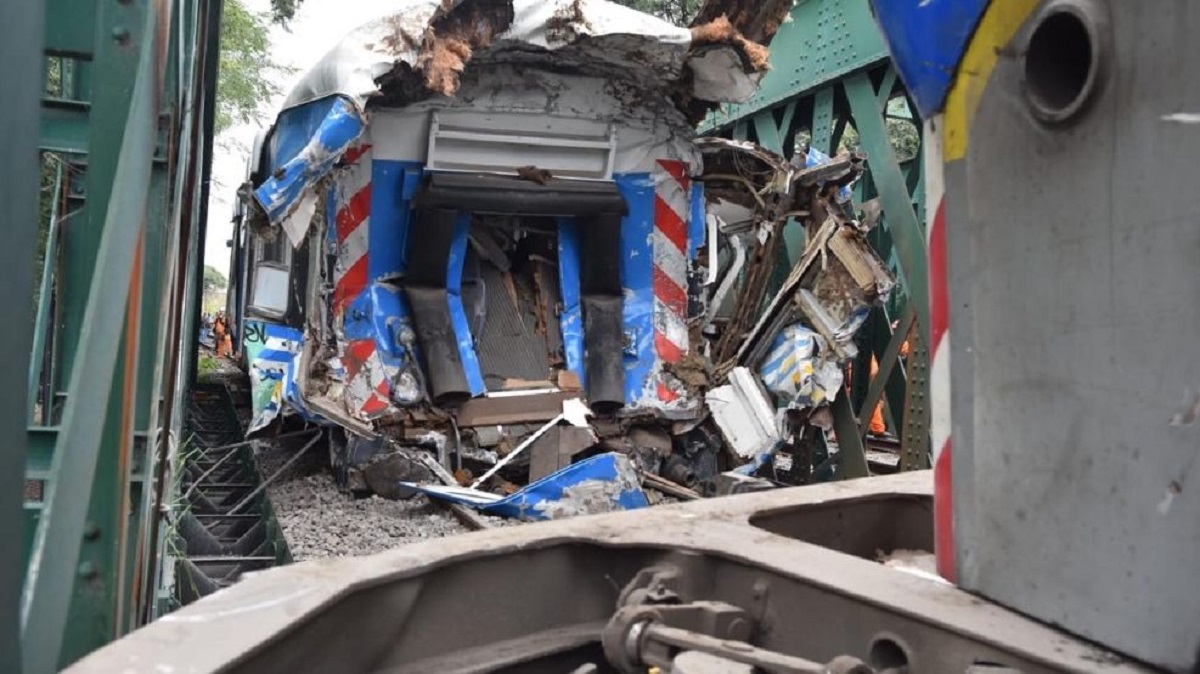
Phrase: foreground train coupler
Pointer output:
(655, 628)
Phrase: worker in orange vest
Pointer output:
(221, 332)
(877, 426)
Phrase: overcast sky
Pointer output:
(317, 28)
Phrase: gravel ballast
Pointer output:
(319, 521)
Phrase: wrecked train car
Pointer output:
(471, 212)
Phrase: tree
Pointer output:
(214, 284)
(283, 11)
(248, 73)
(214, 279)
(678, 12)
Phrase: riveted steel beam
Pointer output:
(20, 52)
(907, 233)
(822, 120)
(908, 239)
(79, 536)
(824, 41)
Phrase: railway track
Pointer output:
(223, 524)
(883, 454)
(249, 505)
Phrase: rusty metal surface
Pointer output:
(460, 598)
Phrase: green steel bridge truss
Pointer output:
(126, 94)
(832, 86)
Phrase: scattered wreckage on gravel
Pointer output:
(483, 243)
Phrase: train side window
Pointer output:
(272, 274)
(276, 250)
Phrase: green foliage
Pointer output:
(906, 139)
(283, 11)
(59, 73)
(214, 279)
(215, 284)
(248, 73)
(902, 128)
(49, 172)
(678, 12)
(207, 364)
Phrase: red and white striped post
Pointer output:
(670, 244)
(367, 386)
(939, 351)
(352, 193)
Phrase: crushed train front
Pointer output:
(471, 213)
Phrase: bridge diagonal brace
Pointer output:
(852, 462)
(822, 124)
(909, 240)
(886, 86)
(907, 233)
(887, 363)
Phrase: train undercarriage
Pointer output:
(825, 578)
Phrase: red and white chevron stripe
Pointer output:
(352, 193)
(670, 245)
(939, 352)
(367, 385)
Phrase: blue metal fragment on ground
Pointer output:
(604, 483)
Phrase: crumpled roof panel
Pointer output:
(438, 38)
(422, 48)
